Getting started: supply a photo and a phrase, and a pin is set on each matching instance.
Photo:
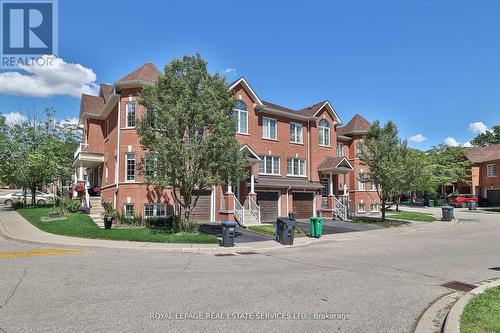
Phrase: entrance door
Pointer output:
(303, 204)
(268, 202)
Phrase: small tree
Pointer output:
(382, 155)
(188, 131)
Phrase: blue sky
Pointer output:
(431, 66)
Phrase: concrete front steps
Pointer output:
(250, 219)
(96, 211)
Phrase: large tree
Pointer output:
(188, 132)
(383, 156)
(487, 138)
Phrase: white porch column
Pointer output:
(80, 171)
(252, 184)
(229, 189)
(330, 185)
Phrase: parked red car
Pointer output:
(462, 200)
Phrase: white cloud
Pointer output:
(230, 72)
(467, 144)
(449, 141)
(478, 127)
(70, 121)
(59, 78)
(417, 138)
(14, 118)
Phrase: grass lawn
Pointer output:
(271, 230)
(412, 216)
(482, 313)
(380, 224)
(81, 225)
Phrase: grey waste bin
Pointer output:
(285, 230)
(228, 231)
(472, 205)
(447, 213)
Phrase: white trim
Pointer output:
(238, 124)
(155, 209)
(264, 129)
(212, 204)
(247, 86)
(125, 210)
(488, 170)
(304, 175)
(247, 147)
(336, 118)
(279, 198)
(126, 160)
(129, 101)
(322, 129)
(272, 165)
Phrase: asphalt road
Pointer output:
(382, 284)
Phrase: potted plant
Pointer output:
(109, 216)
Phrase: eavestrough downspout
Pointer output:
(309, 149)
(117, 156)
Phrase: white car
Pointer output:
(40, 198)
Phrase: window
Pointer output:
(491, 170)
(359, 149)
(326, 186)
(295, 167)
(361, 207)
(374, 207)
(129, 210)
(340, 149)
(269, 130)
(296, 133)
(373, 186)
(158, 210)
(269, 165)
(240, 116)
(361, 181)
(130, 167)
(324, 133)
(130, 111)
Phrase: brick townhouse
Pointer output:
(485, 179)
(299, 161)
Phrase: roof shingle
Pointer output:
(357, 125)
(483, 154)
(91, 104)
(147, 72)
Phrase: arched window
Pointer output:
(324, 133)
(240, 116)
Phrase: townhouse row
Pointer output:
(299, 161)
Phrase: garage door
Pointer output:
(493, 197)
(303, 205)
(201, 213)
(268, 202)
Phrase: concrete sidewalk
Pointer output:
(15, 227)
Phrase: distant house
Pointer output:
(485, 177)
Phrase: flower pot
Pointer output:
(108, 221)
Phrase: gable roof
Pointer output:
(357, 125)
(247, 87)
(483, 154)
(337, 163)
(105, 90)
(147, 72)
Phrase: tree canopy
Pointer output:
(487, 138)
(188, 131)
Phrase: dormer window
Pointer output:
(240, 116)
(324, 133)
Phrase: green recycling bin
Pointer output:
(431, 203)
(316, 229)
(313, 227)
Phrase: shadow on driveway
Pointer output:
(241, 236)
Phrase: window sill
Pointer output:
(323, 146)
(246, 134)
(491, 176)
(269, 139)
(128, 128)
(297, 176)
(269, 174)
(297, 143)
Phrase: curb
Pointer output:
(452, 323)
(433, 318)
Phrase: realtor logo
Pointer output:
(28, 31)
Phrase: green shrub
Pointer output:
(70, 205)
(18, 205)
(190, 227)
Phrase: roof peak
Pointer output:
(147, 72)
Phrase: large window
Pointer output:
(129, 210)
(269, 128)
(340, 149)
(158, 210)
(361, 208)
(130, 167)
(269, 165)
(374, 207)
(324, 133)
(491, 170)
(130, 111)
(296, 167)
(240, 116)
(359, 149)
(296, 133)
(361, 181)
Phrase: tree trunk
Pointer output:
(383, 210)
(24, 195)
(33, 195)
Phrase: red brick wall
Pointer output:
(486, 182)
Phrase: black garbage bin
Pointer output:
(448, 212)
(228, 231)
(285, 230)
(472, 205)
